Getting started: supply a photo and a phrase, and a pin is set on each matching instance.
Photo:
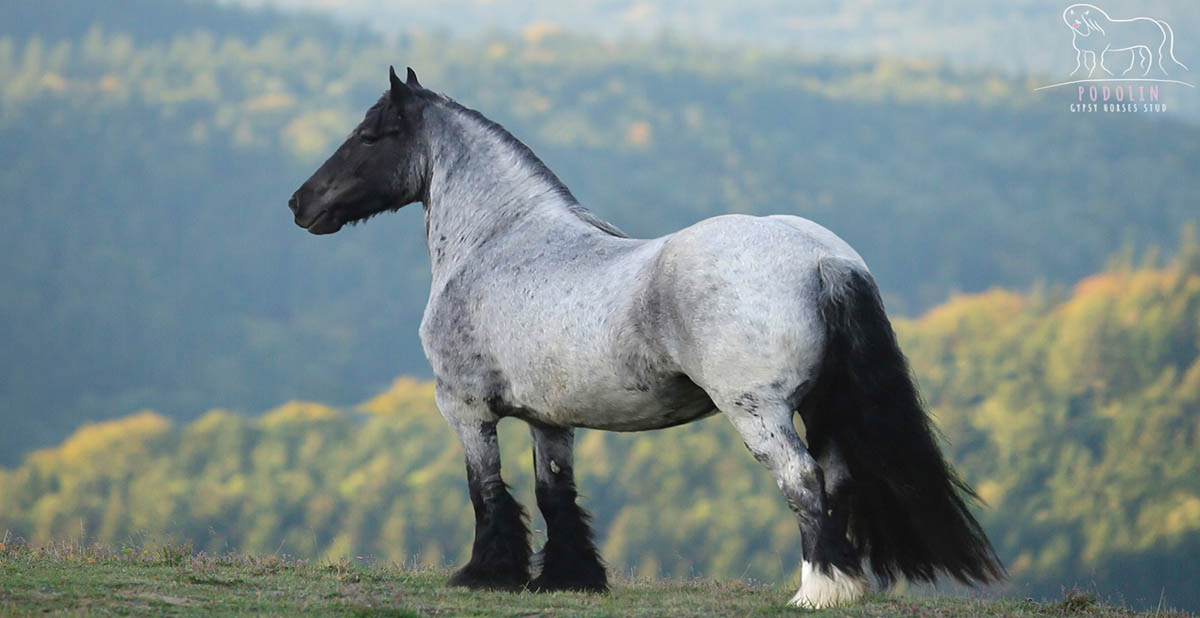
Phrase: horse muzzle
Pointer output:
(312, 217)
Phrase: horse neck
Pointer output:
(483, 185)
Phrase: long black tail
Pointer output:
(907, 507)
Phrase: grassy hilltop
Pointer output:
(173, 581)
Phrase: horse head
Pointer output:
(1085, 19)
(381, 166)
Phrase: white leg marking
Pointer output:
(818, 590)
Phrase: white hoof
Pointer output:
(818, 590)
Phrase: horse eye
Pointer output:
(368, 138)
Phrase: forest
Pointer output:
(151, 261)
(1041, 398)
(1018, 36)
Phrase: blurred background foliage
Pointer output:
(149, 147)
(1017, 36)
(151, 261)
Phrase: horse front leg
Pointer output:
(831, 573)
(569, 559)
(500, 554)
(1100, 61)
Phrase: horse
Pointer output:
(541, 311)
(1095, 34)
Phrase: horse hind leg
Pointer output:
(831, 573)
(569, 559)
(1134, 54)
(838, 480)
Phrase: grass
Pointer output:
(173, 580)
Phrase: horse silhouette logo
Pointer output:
(1149, 41)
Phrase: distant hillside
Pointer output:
(1075, 417)
(1017, 37)
(151, 261)
(1022, 36)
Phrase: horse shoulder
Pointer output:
(449, 330)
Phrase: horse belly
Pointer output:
(1142, 32)
(666, 402)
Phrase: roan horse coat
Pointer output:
(540, 311)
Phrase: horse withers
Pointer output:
(543, 312)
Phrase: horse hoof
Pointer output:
(819, 591)
(581, 571)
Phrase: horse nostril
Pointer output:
(294, 204)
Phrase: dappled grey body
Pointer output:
(540, 311)
(565, 324)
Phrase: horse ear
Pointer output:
(398, 87)
(412, 79)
